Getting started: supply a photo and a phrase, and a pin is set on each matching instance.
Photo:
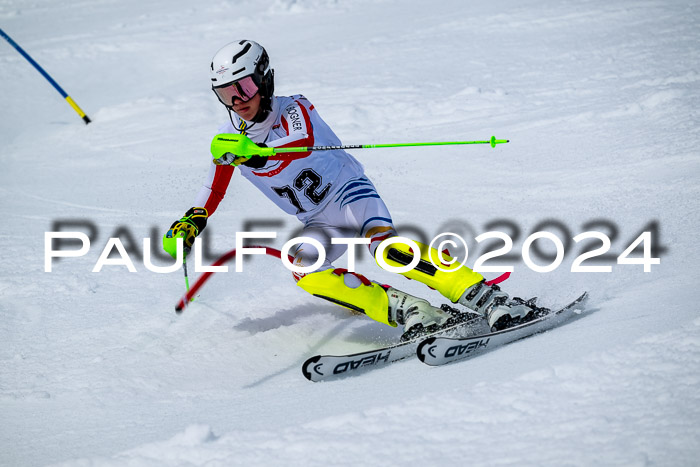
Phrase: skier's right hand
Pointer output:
(253, 161)
(187, 228)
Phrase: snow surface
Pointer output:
(600, 101)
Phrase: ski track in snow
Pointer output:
(600, 103)
(617, 395)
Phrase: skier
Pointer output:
(330, 194)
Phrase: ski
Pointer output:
(325, 367)
(439, 350)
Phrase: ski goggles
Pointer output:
(244, 89)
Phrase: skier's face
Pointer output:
(249, 109)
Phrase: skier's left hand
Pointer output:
(187, 228)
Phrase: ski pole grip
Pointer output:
(240, 145)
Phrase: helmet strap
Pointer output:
(262, 114)
(267, 91)
(240, 130)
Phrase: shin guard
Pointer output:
(451, 281)
(368, 298)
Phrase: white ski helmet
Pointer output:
(235, 62)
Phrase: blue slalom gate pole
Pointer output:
(48, 77)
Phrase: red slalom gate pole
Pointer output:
(222, 260)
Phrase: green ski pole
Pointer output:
(244, 148)
(187, 279)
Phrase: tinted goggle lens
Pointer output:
(243, 89)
